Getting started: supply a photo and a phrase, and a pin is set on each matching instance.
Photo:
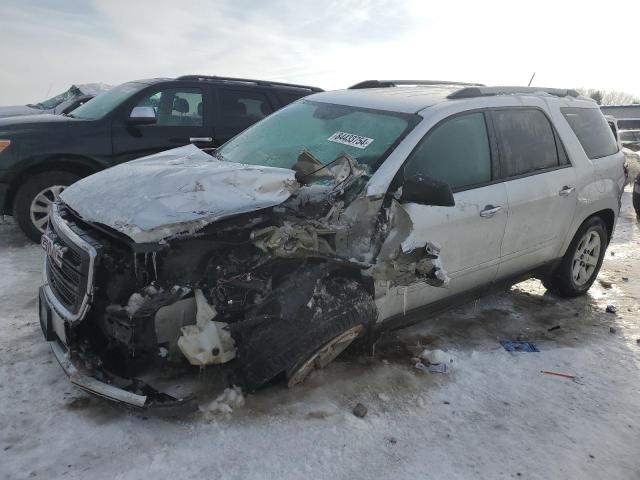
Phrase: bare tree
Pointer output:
(609, 97)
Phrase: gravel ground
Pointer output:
(494, 415)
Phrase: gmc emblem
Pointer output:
(53, 250)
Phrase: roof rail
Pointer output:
(482, 91)
(395, 83)
(247, 80)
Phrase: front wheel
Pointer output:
(339, 312)
(582, 260)
(34, 198)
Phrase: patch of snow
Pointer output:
(232, 398)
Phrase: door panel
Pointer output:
(541, 208)
(182, 115)
(541, 187)
(470, 245)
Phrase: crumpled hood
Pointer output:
(176, 191)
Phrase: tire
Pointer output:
(38, 186)
(636, 199)
(283, 345)
(577, 271)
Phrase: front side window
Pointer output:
(455, 152)
(526, 140)
(176, 106)
(325, 130)
(592, 131)
(243, 108)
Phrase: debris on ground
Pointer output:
(518, 346)
(605, 283)
(432, 367)
(430, 357)
(564, 375)
(611, 309)
(555, 327)
(612, 330)
(360, 410)
(625, 279)
(225, 403)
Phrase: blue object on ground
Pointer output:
(518, 346)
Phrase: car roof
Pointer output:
(396, 99)
(416, 98)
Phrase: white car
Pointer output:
(342, 214)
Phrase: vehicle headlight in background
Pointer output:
(4, 144)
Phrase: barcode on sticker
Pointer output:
(351, 139)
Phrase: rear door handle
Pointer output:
(489, 211)
(200, 139)
(566, 191)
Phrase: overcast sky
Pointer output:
(48, 45)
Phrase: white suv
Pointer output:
(343, 213)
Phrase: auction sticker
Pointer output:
(351, 139)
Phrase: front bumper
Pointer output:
(130, 392)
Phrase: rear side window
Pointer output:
(456, 152)
(243, 108)
(592, 130)
(288, 97)
(526, 139)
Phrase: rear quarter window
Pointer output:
(289, 97)
(592, 131)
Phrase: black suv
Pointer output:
(40, 155)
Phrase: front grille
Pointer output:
(68, 281)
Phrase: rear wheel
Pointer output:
(34, 198)
(582, 260)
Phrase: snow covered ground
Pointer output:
(493, 416)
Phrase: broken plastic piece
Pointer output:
(518, 346)
(206, 342)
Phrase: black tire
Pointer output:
(636, 199)
(562, 280)
(29, 190)
(279, 344)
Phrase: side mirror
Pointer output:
(142, 116)
(427, 191)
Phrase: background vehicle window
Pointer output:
(527, 142)
(243, 108)
(176, 106)
(456, 152)
(592, 130)
(287, 97)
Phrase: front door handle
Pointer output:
(566, 191)
(200, 139)
(489, 211)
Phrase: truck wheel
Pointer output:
(34, 199)
(296, 346)
(582, 260)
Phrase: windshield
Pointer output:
(102, 104)
(325, 130)
(54, 101)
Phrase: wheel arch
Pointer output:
(79, 165)
(607, 215)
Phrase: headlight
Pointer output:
(4, 144)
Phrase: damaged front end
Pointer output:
(139, 292)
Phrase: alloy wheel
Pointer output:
(585, 259)
(41, 205)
